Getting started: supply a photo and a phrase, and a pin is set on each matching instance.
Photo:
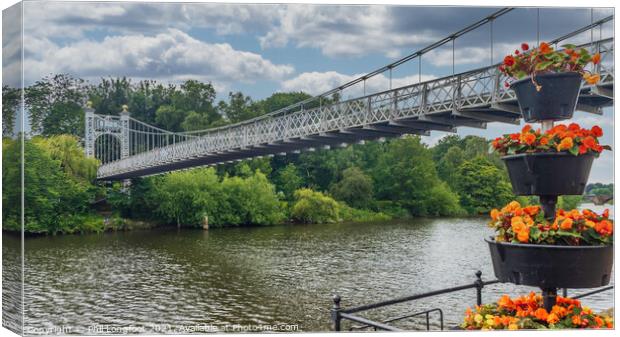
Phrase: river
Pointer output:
(167, 280)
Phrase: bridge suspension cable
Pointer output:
(470, 98)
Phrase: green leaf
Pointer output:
(543, 65)
(571, 234)
(568, 46)
(574, 150)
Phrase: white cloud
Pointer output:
(342, 30)
(319, 82)
(170, 55)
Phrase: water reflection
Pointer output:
(269, 275)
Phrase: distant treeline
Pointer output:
(397, 178)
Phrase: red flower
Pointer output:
(509, 60)
(525, 46)
(597, 131)
(517, 52)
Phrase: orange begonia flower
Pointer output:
(591, 78)
(494, 214)
(541, 314)
(545, 48)
(604, 227)
(565, 144)
(597, 131)
(524, 235)
(566, 224)
(596, 58)
(528, 138)
(552, 318)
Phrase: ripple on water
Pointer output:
(268, 275)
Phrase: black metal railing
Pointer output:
(338, 314)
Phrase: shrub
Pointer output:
(314, 207)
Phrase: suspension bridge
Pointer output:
(129, 148)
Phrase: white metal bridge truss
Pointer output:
(469, 99)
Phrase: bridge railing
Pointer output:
(469, 90)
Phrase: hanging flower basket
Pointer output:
(556, 162)
(553, 173)
(574, 250)
(547, 82)
(527, 312)
(556, 100)
(551, 266)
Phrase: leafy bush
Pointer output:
(355, 188)
(314, 207)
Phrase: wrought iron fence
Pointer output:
(338, 314)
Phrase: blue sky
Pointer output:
(261, 49)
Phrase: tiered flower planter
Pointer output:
(563, 169)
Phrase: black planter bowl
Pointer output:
(556, 99)
(549, 266)
(549, 173)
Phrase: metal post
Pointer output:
(549, 298)
(479, 286)
(336, 313)
(564, 292)
(537, 27)
(491, 33)
(390, 78)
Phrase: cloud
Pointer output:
(171, 55)
(342, 30)
(318, 82)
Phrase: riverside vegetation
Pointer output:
(377, 181)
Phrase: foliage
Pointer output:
(481, 186)
(545, 59)
(407, 175)
(528, 312)
(355, 188)
(361, 215)
(185, 198)
(68, 151)
(53, 197)
(54, 105)
(314, 207)
(569, 201)
(572, 138)
(11, 97)
(517, 224)
(600, 189)
(288, 181)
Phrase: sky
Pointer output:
(261, 49)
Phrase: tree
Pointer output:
(52, 198)
(448, 165)
(482, 186)
(54, 104)
(355, 188)
(406, 174)
(288, 180)
(169, 117)
(11, 97)
(238, 108)
(314, 207)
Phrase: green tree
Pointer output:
(238, 108)
(169, 117)
(448, 165)
(314, 207)
(54, 104)
(288, 180)
(481, 186)
(355, 188)
(11, 97)
(406, 174)
(52, 198)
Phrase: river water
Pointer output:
(169, 281)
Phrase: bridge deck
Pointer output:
(470, 99)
